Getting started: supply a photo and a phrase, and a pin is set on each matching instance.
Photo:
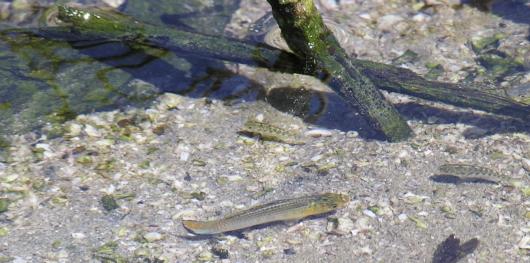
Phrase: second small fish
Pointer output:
(281, 210)
(460, 169)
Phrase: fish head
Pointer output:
(330, 202)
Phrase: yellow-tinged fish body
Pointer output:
(281, 210)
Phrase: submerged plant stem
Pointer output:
(385, 77)
(305, 33)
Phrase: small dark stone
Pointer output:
(124, 122)
(323, 173)
(221, 252)
(187, 177)
(79, 149)
(84, 187)
(289, 251)
(159, 130)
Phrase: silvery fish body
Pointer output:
(281, 210)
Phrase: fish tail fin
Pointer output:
(198, 227)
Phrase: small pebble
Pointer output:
(205, 256)
(92, 131)
(114, 3)
(153, 236)
(169, 101)
(402, 217)
(526, 164)
(369, 213)
(387, 22)
(524, 243)
(344, 225)
(73, 129)
(319, 133)
(78, 235)
(184, 156)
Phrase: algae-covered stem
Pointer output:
(111, 25)
(114, 25)
(305, 33)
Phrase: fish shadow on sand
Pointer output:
(484, 124)
(457, 180)
(451, 251)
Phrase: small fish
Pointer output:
(270, 132)
(467, 170)
(281, 210)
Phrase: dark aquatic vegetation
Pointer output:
(482, 5)
(451, 251)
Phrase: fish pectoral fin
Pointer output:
(198, 227)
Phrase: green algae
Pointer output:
(109, 202)
(59, 200)
(4, 143)
(499, 64)
(4, 204)
(435, 70)
(84, 160)
(408, 56)
(107, 253)
(4, 231)
(56, 244)
(490, 42)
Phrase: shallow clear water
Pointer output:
(48, 82)
(116, 184)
